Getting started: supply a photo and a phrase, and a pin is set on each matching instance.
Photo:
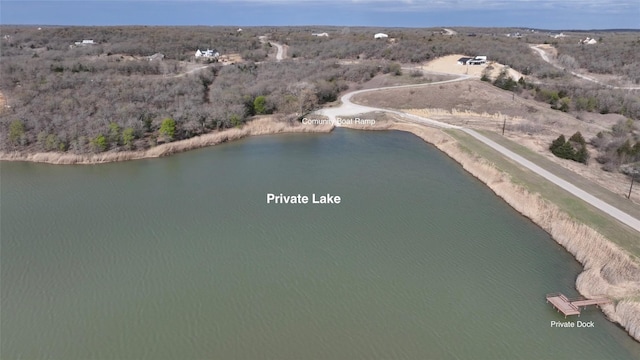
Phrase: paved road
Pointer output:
(348, 108)
(546, 58)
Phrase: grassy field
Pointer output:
(620, 234)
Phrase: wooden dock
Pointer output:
(572, 306)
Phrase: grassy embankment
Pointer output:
(607, 250)
(263, 126)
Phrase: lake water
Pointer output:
(182, 258)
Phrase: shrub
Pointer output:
(259, 105)
(128, 135)
(16, 131)
(99, 143)
(235, 120)
(168, 128)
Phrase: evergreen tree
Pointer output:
(582, 155)
(557, 143)
(577, 138)
(565, 151)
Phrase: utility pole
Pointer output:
(633, 176)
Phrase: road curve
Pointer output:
(546, 58)
(280, 53)
(348, 108)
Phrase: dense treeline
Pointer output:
(570, 97)
(614, 53)
(79, 111)
(80, 99)
(110, 96)
(619, 146)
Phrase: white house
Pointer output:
(324, 34)
(380, 36)
(588, 41)
(207, 53)
(84, 43)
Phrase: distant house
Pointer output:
(588, 41)
(478, 60)
(84, 43)
(212, 54)
(556, 36)
(380, 36)
(324, 34)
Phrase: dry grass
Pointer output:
(263, 126)
(482, 106)
(3, 103)
(484, 120)
(228, 59)
(609, 271)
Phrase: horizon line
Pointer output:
(331, 26)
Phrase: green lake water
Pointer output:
(182, 258)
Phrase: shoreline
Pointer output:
(264, 126)
(608, 270)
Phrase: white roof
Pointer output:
(380, 35)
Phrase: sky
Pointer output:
(540, 14)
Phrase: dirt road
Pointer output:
(280, 55)
(543, 54)
(348, 108)
(192, 70)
